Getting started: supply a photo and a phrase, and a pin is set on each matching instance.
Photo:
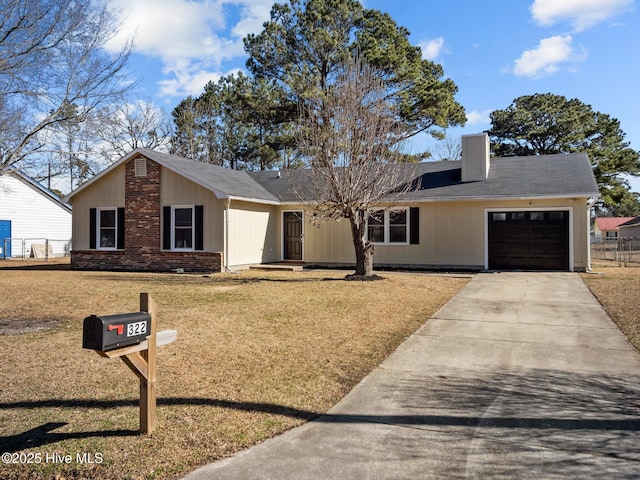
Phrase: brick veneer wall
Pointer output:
(160, 262)
(142, 234)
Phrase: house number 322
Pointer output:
(136, 328)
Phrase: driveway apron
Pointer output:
(519, 375)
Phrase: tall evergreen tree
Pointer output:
(544, 124)
(239, 122)
(294, 61)
(306, 41)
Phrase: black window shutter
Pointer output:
(199, 226)
(93, 215)
(120, 220)
(166, 228)
(414, 225)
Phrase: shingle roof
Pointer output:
(283, 185)
(532, 176)
(225, 182)
(631, 223)
(509, 177)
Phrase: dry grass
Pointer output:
(257, 353)
(618, 290)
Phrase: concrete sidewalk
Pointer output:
(520, 375)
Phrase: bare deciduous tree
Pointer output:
(80, 148)
(448, 148)
(353, 138)
(121, 128)
(52, 58)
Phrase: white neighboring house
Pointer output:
(31, 216)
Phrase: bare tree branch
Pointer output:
(123, 127)
(448, 148)
(353, 139)
(52, 57)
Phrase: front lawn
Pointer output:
(618, 290)
(257, 353)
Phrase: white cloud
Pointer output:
(172, 28)
(189, 81)
(431, 49)
(478, 118)
(547, 57)
(254, 14)
(185, 82)
(582, 14)
(634, 183)
(191, 38)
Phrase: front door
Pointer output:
(292, 235)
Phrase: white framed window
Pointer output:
(107, 228)
(182, 227)
(389, 227)
(375, 227)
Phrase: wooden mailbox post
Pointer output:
(141, 359)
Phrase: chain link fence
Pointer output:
(625, 251)
(22, 248)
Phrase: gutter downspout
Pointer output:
(225, 252)
(590, 205)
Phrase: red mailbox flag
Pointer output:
(119, 328)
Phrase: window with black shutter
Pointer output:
(414, 226)
(183, 227)
(106, 228)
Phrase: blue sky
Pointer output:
(494, 50)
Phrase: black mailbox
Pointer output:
(107, 332)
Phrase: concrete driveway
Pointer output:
(520, 375)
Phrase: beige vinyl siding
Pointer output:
(108, 192)
(327, 240)
(331, 242)
(178, 190)
(451, 234)
(252, 233)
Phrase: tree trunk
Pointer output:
(364, 248)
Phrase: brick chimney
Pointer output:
(475, 157)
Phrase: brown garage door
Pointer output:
(529, 240)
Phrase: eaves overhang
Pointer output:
(462, 198)
(252, 200)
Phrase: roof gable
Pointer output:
(222, 182)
